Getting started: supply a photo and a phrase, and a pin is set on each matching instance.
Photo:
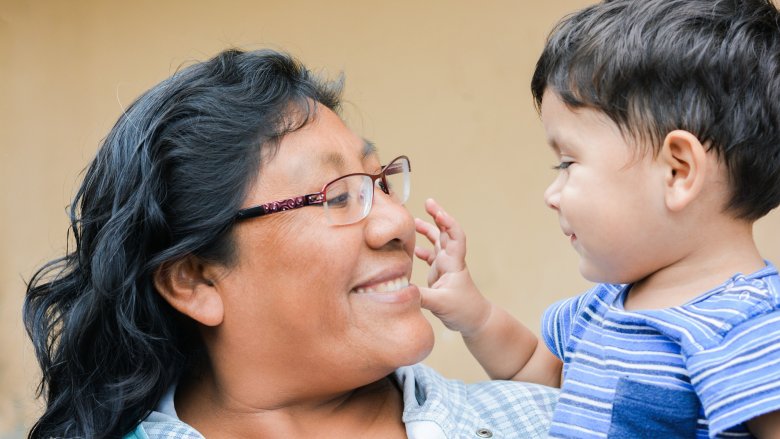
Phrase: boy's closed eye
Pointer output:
(564, 164)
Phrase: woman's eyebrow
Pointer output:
(333, 159)
(368, 148)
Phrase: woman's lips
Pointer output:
(384, 287)
(397, 290)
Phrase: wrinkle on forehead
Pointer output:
(337, 160)
(316, 153)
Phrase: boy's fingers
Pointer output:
(427, 229)
(442, 219)
(452, 238)
(444, 222)
(431, 206)
(431, 299)
(424, 254)
(447, 224)
(444, 238)
(422, 224)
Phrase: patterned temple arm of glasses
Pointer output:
(278, 206)
(397, 166)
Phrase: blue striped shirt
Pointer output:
(697, 370)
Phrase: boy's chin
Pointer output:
(599, 275)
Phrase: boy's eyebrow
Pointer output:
(554, 145)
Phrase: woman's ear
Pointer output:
(685, 163)
(186, 285)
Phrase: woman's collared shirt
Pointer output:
(434, 408)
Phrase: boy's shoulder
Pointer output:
(702, 322)
(738, 305)
(741, 297)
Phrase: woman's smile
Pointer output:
(400, 291)
(385, 287)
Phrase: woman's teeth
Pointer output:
(386, 287)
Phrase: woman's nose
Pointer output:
(389, 222)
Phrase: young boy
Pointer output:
(665, 117)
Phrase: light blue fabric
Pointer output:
(507, 409)
(434, 408)
(704, 367)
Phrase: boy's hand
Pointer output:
(504, 347)
(452, 295)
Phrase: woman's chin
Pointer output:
(417, 345)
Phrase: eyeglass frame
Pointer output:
(317, 198)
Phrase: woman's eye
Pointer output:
(339, 200)
(562, 165)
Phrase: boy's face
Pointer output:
(609, 197)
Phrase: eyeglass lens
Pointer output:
(349, 199)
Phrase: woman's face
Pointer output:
(292, 311)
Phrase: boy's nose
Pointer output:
(552, 195)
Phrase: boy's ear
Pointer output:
(684, 161)
(188, 286)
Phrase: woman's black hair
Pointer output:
(710, 67)
(166, 183)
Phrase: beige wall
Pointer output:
(445, 82)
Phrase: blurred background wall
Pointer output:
(443, 81)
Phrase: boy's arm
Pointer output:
(766, 426)
(504, 347)
(507, 349)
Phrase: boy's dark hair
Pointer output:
(710, 67)
(166, 183)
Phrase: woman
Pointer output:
(203, 299)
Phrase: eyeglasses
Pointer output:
(347, 199)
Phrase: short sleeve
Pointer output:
(739, 378)
(557, 323)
